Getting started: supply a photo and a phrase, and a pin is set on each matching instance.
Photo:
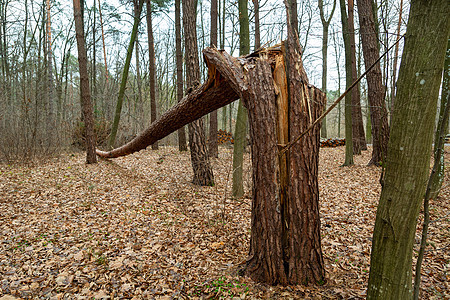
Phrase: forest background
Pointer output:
(29, 96)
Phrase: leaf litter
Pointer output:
(136, 228)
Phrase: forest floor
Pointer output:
(135, 227)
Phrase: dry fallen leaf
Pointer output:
(133, 228)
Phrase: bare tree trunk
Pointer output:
(86, 104)
(357, 127)
(408, 159)
(356, 110)
(123, 83)
(203, 174)
(285, 245)
(228, 108)
(51, 126)
(286, 249)
(293, 15)
(152, 68)
(378, 111)
(2, 52)
(394, 67)
(3, 40)
(338, 69)
(179, 61)
(140, 105)
(94, 56)
(348, 79)
(240, 133)
(213, 143)
(443, 121)
(325, 26)
(103, 39)
(257, 29)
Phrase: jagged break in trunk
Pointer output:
(285, 246)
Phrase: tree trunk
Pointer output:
(86, 104)
(323, 133)
(201, 166)
(442, 122)
(182, 145)
(285, 236)
(240, 141)
(139, 104)
(2, 52)
(213, 142)
(361, 138)
(216, 92)
(103, 39)
(240, 133)
(3, 40)
(325, 26)
(286, 250)
(94, 55)
(348, 81)
(357, 124)
(50, 107)
(123, 83)
(222, 46)
(293, 15)
(151, 67)
(408, 159)
(378, 111)
(257, 29)
(337, 50)
(394, 67)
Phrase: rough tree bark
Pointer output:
(151, 67)
(375, 89)
(201, 166)
(285, 238)
(286, 250)
(348, 79)
(86, 104)
(408, 159)
(293, 15)
(285, 242)
(213, 145)
(216, 92)
(257, 29)
(182, 145)
(359, 141)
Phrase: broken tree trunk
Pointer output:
(213, 94)
(285, 246)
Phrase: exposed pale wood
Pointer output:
(282, 110)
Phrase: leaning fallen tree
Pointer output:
(285, 246)
(215, 93)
